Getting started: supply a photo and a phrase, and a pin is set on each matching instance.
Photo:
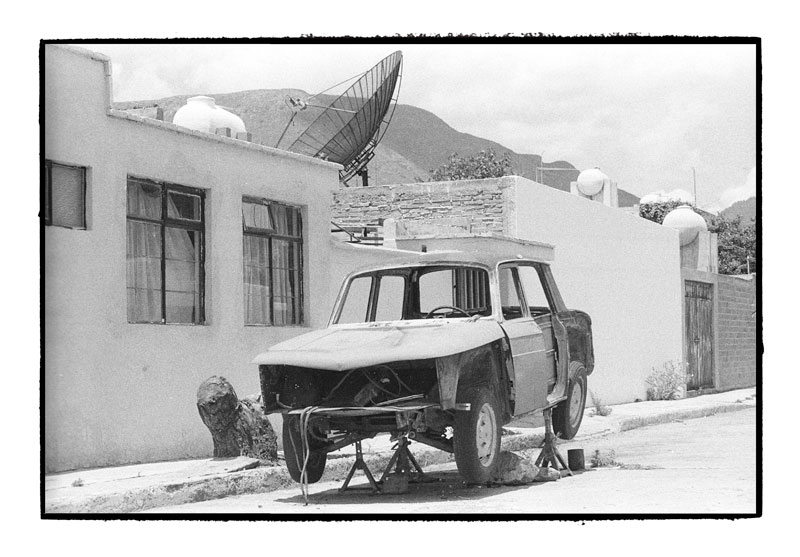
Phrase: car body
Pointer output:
(445, 348)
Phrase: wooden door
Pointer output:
(699, 302)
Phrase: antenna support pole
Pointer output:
(364, 177)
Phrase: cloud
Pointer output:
(739, 193)
(645, 114)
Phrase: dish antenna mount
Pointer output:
(350, 127)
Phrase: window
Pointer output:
(166, 229)
(535, 295)
(510, 297)
(462, 287)
(64, 195)
(273, 263)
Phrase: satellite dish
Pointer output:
(350, 127)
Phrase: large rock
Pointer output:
(238, 427)
(514, 469)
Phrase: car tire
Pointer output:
(568, 415)
(293, 452)
(476, 436)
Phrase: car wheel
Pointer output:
(293, 452)
(568, 415)
(476, 436)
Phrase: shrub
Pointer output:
(608, 459)
(599, 409)
(667, 382)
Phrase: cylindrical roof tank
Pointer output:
(686, 222)
(202, 114)
(591, 181)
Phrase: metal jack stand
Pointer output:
(402, 460)
(550, 455)
(402, 456)
(359, 464)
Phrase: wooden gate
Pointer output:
(699, 334)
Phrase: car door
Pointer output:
(546, 309)
(527, 343)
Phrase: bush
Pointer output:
(667, 382)
(600, 460)
(599, 409)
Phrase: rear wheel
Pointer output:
(568, 415)
(476, 436)
(293, 451)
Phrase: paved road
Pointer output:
(705, 465)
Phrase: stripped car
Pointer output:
(445, 349)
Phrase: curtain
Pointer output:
(144, 255)
(256, 280)
(282, 294)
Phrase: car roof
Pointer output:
(486, 251)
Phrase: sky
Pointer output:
(644, 114)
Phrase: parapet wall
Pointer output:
(475, 205)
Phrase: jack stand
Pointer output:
(397, 482)
(359, 464)
(402, 456)
(550, 455)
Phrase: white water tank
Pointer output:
(591, 181)
(688, 223)
(203, 115)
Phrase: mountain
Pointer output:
(416, 142)
(746, 209)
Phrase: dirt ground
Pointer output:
(704, 465)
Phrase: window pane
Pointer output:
(144, 199)
(256, 280)
(287, 220)
(435, 289)
(390, 298)
(355, 305)
(67, 191)
(182, 275)
(512, 309)
(256, 216)
(144, 272)
(285, 281)
(534, 293)
(183, 206)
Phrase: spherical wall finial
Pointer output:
(591, 182)
(686, 222)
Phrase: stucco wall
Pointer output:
(736, 332)
(116, 392)
(621, 269)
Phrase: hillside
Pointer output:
(417, 141)
(746, 209)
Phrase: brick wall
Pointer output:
(736, 332)
(476, 205)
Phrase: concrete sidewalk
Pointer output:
(138, 487)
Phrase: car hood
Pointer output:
(343, 347)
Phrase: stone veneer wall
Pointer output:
(476, 205)
(736, 330)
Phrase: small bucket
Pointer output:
(575, 460)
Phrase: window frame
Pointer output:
(270, 235)
(164, 222)
(543, 272)
(47, 194)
